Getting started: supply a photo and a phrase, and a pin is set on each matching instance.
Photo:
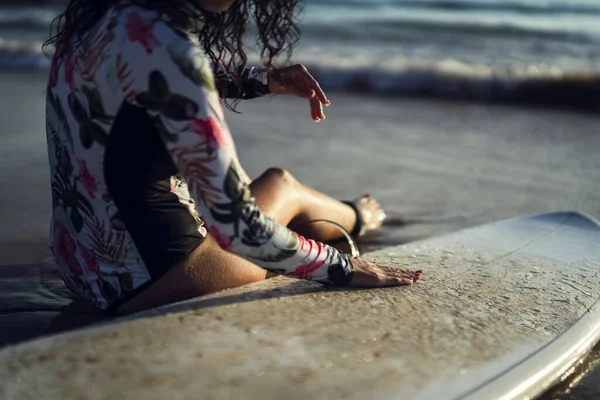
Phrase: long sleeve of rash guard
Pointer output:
(179, 91)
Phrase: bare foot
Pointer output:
(371, 213)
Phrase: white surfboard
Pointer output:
(503, 311)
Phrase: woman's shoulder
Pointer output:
(134, 29)
(145, 42)
(146, 24)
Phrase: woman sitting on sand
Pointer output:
(150, 203)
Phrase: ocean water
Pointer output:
(544, 51)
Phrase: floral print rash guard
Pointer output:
(143, 165)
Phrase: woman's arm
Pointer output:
(178, 90)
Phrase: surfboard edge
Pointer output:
(547, 366)
(530, 378)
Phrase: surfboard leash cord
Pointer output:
(353, 247)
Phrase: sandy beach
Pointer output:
(435, 166)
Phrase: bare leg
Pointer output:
(292, 204)
(207, 269)
(281, 197)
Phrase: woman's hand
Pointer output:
(367, 274)
(297, 80)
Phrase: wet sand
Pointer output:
(435, 166)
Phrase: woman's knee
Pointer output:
(278, 176)
(275, 192)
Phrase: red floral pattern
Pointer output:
(306, 246)
(305, 271)
(65, 248)
(141, 30)
(212, 130)
(69, 70)
(88, 180)
(224, 242)
(90, 260)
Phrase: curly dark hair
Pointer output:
(221, 37)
